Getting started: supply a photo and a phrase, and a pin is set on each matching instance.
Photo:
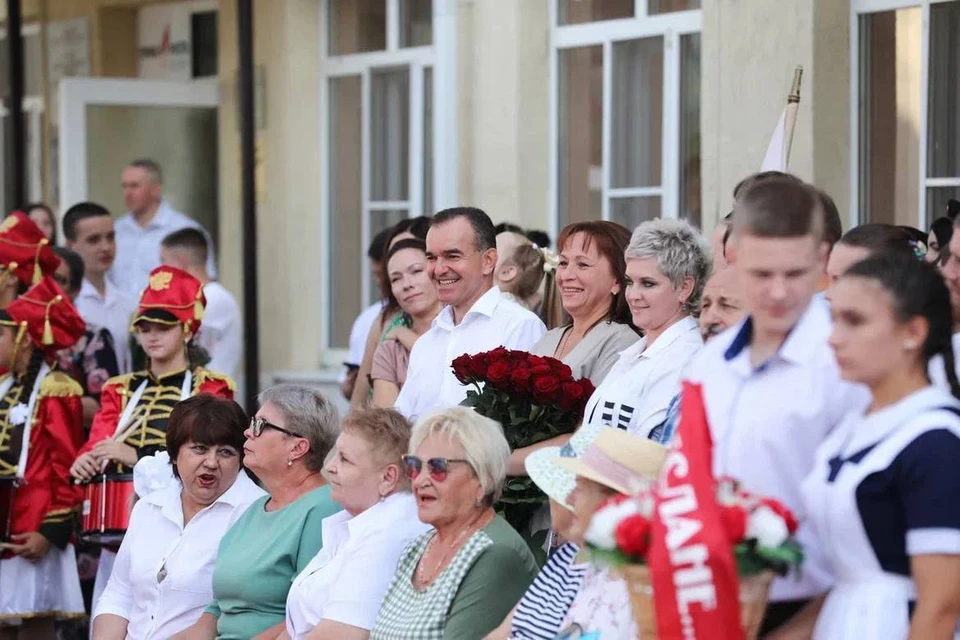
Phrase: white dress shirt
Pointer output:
(346, 581)
(112, 311)
(156, 541)
(636, 393)
(492, 321)
(361, 330)
(138, 248)
(220, 331)
(938, 371)
(768, 421)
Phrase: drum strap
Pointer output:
(27, 428)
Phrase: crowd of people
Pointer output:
(826, 362)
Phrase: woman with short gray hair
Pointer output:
(461, 578)
(287, 442)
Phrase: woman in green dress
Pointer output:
(460, 579)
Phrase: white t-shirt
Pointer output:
(157, 541)
(221, 333)
(347, 580)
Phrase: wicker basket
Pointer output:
(754, 594)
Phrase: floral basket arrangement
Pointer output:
(760, 531)
(535, 398)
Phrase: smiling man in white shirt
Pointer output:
(462, 256)
(771, 384)
(89, 231)
(149, 220)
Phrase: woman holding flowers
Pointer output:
(884, 484)
(591, 280)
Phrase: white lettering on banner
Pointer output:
(692, 577)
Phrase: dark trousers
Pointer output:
(779, 613)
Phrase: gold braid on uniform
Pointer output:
(8, 457)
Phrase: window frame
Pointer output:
(858, 9)
(671, 27)
(441, 58)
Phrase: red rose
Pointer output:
(587, 385)
(562, 370)
(781, 510)
(479, 363)
(520, 380)
(540, 370)
(572, 396)
(461, 368)
(534, 361)
(734, 519)
(545, 389)
(499, 374)
(633, 535)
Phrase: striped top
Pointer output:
(543, 607)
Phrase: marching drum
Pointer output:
(107, 501)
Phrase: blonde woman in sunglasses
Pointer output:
(442, 586)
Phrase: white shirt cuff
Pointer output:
(933, 541)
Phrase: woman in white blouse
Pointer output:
(338, 595)
(161, 581)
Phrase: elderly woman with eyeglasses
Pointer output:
(287, 444)
(460, 579)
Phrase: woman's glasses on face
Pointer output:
(436, 467)
(258, 424)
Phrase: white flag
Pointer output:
(776, 158)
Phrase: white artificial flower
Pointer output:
(767, 527)
(604, 523)
(153, 473)
(19, 414)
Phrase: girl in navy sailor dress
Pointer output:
(883, 494)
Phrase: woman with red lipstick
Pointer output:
(162, 578)
(135, 408)
(416, 294)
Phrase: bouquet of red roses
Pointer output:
(533, 397)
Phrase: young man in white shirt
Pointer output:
(950, 268)
(88, 228)
(462, 255)
(221, 334)
(771, 384)
(148, 221)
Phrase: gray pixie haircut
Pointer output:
(152, 167)
(680, 251)
(482, 439)
(309, 414)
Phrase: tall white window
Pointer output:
(905, 65)
(378, 65)
(625, 110)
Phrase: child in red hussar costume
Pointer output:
(40, 434)
(25, 256)
(134, 408)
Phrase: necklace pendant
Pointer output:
(162, 574)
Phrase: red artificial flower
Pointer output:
(499, 374)
(633, 535)
(734, 520)
(520, 380)
(546, 389)
(461, 368)
(781, 510)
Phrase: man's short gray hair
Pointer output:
(309, 414)
(152, 167)
(680, 251)
(482, 439)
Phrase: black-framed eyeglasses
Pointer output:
(258, 424)
(436, 467)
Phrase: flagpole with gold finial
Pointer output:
(777, 157)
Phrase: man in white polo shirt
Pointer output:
(462, 255)
(771, 384)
